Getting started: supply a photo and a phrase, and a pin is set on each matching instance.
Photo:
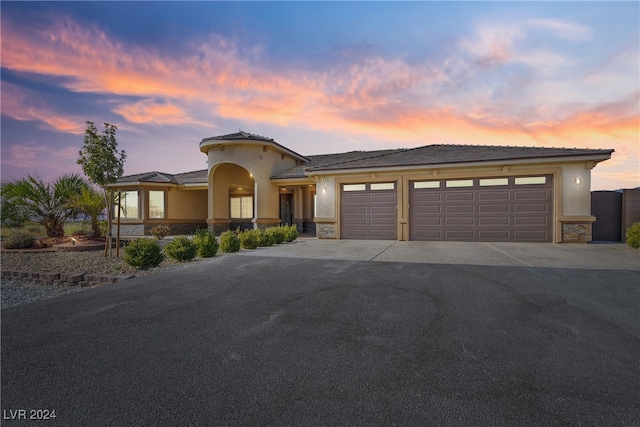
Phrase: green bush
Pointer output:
(143, 253)
(206, 242)
(160, 231)
(291, 233)
(250, 239)
(181, 249)
(266, 238)
(229, 242)
(278, 233)
(18, 241)
(633, 235)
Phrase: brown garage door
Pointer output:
(482, 209)
(368, 211)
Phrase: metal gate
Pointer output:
(606, 206)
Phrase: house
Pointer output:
(434, 192)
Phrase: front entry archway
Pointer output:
(231, 197)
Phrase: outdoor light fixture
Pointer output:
(324, 189)
(578, 180)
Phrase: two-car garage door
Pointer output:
(481, 209)
(484, 209)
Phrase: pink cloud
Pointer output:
(25, 106)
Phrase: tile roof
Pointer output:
(442, 154)
(428, 155)
(195, 177)
(239, 135)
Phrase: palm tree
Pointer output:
(91, 203)
(47, 204)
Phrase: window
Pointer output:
(354, 187)
(315, 205)
(156, 204)
(426, 184)
(241, 207)
(383, 186)
(531, 180)
(129, 207)
(492, 182)
(460, 183)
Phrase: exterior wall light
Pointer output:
(324, 189)
(578, 180)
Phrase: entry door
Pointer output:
(368, 211)
(285, 209)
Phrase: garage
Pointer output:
(368, 211)
(516, 209)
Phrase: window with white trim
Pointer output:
(156, 204)
(460, 183)
(129, 205)
(493, 182)
(528, 180)
(383, 186)
(426, 184)
(354, 187)
(241, 207)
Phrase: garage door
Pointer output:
(482, 209)
(368, 211)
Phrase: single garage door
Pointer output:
(483, 209)
(368, 211)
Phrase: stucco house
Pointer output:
(434, 192)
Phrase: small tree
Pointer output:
(90, 203)
(103, 164)
(48, 204)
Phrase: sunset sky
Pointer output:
(318, 77)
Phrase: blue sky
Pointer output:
(318, 77)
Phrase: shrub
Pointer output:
(206, 242)
(18, 241)
(266, 238)
(143, 253)
(291, 233)
(229, 242)
(160, 231)
(250, 239)
(633, 235)
(278, 233)
(181, 249)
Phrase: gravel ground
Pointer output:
(15, 292)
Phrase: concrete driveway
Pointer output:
(612, 256)
(272, 337)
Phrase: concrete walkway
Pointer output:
(614, 256)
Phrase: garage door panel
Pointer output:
(428, 197)
(459, 221)
(522, 212)
(454, 196)
(495, 208)
(530, 194)
(453, 209)
(494, 195)
(382, 210)
(382, 198)
(491, 220)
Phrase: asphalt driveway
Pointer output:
(269, 339)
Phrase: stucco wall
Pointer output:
(326, 197)
(576, 198)
(187, 204)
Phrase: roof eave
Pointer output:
(393, 168)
